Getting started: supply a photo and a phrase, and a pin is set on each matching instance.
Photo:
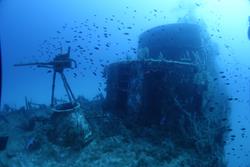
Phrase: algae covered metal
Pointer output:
(163, 82)
(170, 88)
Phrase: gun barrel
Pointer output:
(32, 64)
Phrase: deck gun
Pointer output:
(58, 65)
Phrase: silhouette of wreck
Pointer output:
(162, 109)
(169, 88)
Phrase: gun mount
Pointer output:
(59, 64)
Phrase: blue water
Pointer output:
(102, 32)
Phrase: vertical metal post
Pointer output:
(249, 28)
(53, 89)
(0, 75)
(66, 86)
(26, 104)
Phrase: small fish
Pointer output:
(211, 109)
(75, 75)
(197, 4)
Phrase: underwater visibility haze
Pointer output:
(128, 83)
